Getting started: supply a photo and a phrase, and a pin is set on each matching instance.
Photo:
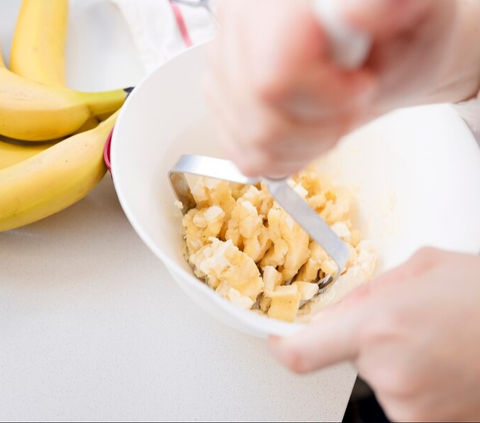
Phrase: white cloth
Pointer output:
(155, 29)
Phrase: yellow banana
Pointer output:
(38, 50)
(30, 111)
(54, 179)
(38, 47)
(15, 152)
(33, 112)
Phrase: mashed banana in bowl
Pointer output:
(243, 245)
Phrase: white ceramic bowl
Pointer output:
(416, 173)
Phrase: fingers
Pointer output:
(276, 146)
(263, 139)
(328, 92)
(331, 339)
(277, 101)
(284, 39)
(253, 65)
(338, 334)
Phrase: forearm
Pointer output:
(460, 79)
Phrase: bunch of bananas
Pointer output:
(51, 140)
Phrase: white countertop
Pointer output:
(92, 326)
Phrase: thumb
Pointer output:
(328, 340)
(385, 18)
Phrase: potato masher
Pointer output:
(350, 48)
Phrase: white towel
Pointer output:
(155, 29)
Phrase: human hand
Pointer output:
(413, 335)
(272, 56)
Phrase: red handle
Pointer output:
(182, 26)
(106, 151)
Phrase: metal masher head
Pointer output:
(285, 196)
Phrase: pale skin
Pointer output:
(414, 333)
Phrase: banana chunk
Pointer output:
(285, 303)
(307, 290)
(309, 272)
(245, 227)
(276, 254)
(289, 250)
(272, 279)
(260, 198)
(201, 225)
(297, 241)
(341, 230)
(244, 223)
(226, 263)
(239, 300)
(212, 192)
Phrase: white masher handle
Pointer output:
(350, 47)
